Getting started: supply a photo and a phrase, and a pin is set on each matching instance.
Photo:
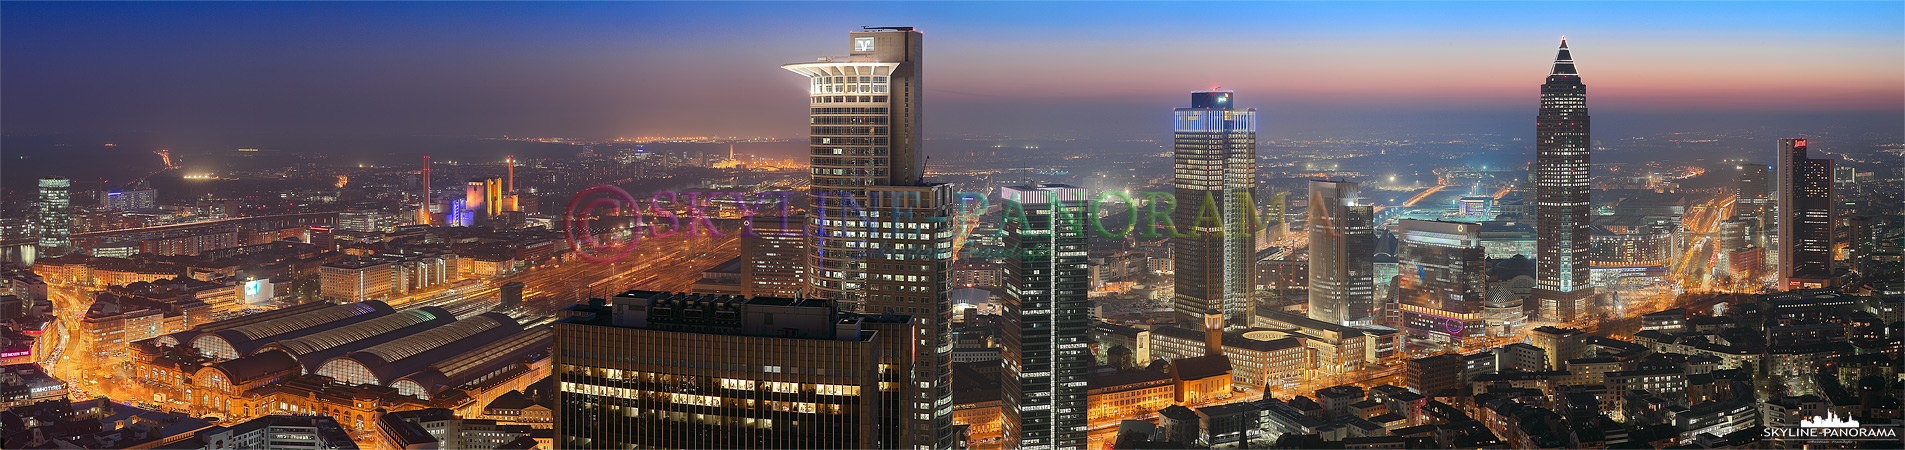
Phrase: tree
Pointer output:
(1773, 387)
(306, 288)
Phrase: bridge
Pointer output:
(272, 222)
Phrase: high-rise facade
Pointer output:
(131, 200)
(1562, 292)
(1753, 192)
(1342, 254)
(1805, 217)
(1048, 318)
(1215, 176)
(879, 238)
(56, 221)
(359, 221)
(669, 370)
(776, 256)
(1441, 289)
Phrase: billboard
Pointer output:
(257, 291)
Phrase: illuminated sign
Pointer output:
(16, 354)
(863, 44)
(257, 291)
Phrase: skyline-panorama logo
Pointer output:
(1832, 427)
(1831, 420)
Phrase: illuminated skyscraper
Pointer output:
(676, 370)
(1805, 217)
(1048, 318)
(1215, 166)
(879, 239)
(1342, 254)
(1443, 272)
(1752, 184)
(55, 220)
(1753, 204)
(1562, 292)
(776, 256)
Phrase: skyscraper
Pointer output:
(1752, 189)
(1048, 318)
(55, 221)
(1562, 291)
(1215, 166)
(776, 256)
(1805, 217)
(1441, 289)
(666, 370)
(1342, 254)
(880, 240)
(1752, 184)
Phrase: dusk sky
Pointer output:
(597, 70)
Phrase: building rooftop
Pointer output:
(805, 318)
(1202, 367)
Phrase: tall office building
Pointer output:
(359, 221)
(1215, 166)
(1562, 291)
(1048, 318)
(1753, 189)
(880, 240)
(776, 256)
(1342, 254)
(131, 200)
(1805, 217)
(1443, 273)
(56, 221)
(667, 370)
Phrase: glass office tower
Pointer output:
(1342, 254)
(1805, 217)
(878, 237)
(56, 221)
(1048, 318)
(1442, 280)
(1215, 169)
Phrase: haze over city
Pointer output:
(990, 225)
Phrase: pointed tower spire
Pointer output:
(1563, 61)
